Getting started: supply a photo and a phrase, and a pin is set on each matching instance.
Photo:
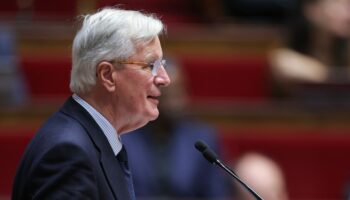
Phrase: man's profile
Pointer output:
(116, 77)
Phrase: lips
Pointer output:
(153, 99)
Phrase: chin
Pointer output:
(153, 115)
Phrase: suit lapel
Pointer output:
(110, 165)
(115, 176)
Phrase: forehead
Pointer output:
(149, 51)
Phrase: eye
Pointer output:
(151, 65)
(147, 66)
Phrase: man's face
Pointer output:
(138, 91)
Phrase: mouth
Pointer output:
(154, 99)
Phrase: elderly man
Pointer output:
(116, 78)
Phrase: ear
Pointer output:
(107, 76)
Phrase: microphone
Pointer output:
(213, 159)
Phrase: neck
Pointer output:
(108, 107)
(102, 105)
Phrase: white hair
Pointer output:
(109, 34)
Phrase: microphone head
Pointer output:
(206, 151)
(210, 156)
(201, 146)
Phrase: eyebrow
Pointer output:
(151, 56)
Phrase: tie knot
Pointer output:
(122, 155)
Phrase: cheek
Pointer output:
(140, 92)
(135, 99)
(137, 85)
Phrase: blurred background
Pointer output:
(271, 76)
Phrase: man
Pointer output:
(116, 78)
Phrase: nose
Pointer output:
(162, 77)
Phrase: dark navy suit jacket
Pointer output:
(70, 158)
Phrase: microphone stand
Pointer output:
(228, 170)
(211, 157)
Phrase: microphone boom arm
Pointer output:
(213, 158)
(230, 171)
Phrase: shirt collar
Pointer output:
(107, 128)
